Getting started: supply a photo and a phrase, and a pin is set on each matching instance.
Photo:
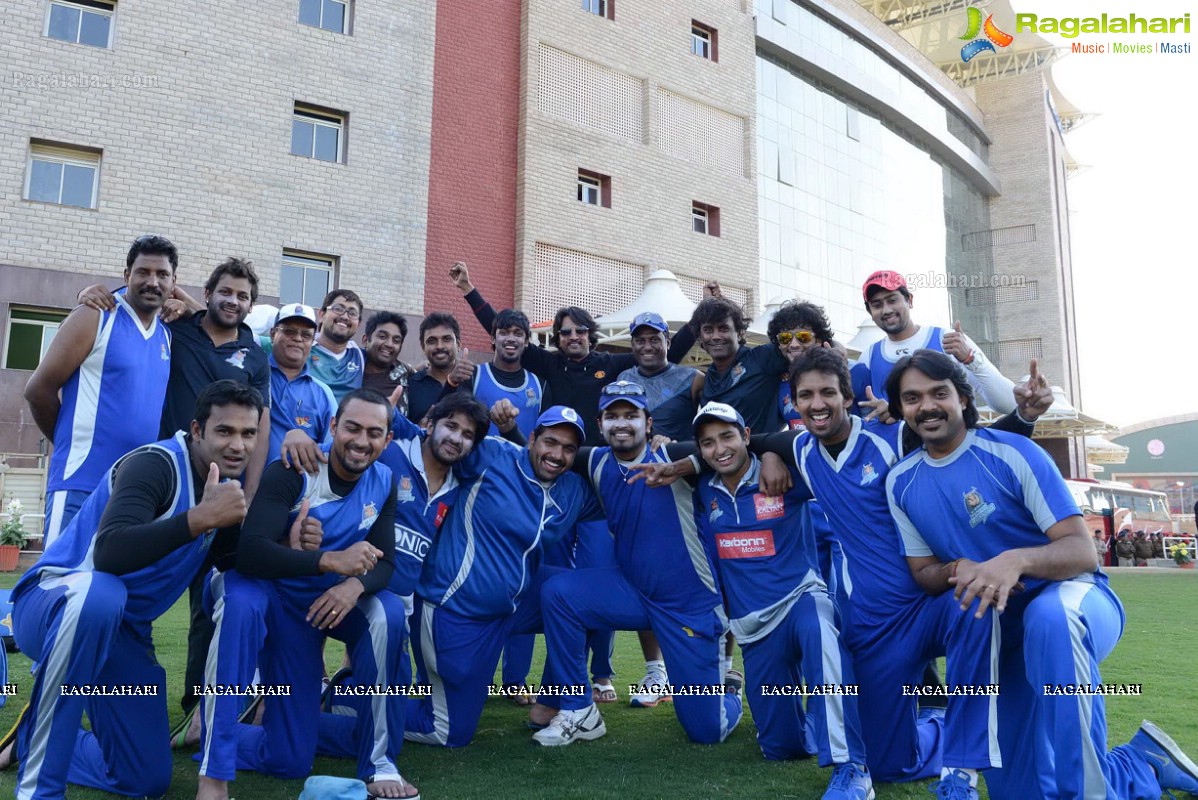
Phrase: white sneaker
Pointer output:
(654, 688)
(568, 726)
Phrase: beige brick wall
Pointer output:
(649, 222)
(203, 155)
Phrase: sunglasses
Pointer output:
(303, 334)
(623, 389)
(802, 337)
(581, 330)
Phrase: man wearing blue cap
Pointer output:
(671, 391)
(663, 581)
(481, 579)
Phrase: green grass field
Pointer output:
(645, 754)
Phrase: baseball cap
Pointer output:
(296, 310)
(720, 411)
(623, 390)
(561, 415)
(654, 321)
(888, 279)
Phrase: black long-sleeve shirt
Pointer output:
(132, 537)
(265, 551)
(570, 382)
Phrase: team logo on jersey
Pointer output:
(768, 507)
(531, 394)
(404, 493)
(745, 544)
(303, 422)
(979, 510)
(797, 425)
(738, 372)
(715, 512)
(868, 474)
(237, 359)
(351, 366)
(442, 512)
(166, 355)
(369, 512)
(601, 374)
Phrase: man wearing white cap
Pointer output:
(303, 406)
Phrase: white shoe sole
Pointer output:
(586, 736)
(1171, 747)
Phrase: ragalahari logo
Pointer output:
(993, 36)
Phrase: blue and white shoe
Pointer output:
(1174, 769)
(954, 786)
(850, 782)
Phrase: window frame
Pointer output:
(316, 262)
(704, 37)
(346, 19)
(605, 9)
(13, 312)
(65, 155)
(97, 7)
(707, 215)
(594, 180)
(328, 118)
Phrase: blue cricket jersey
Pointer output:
(658, 547)
(304, 403)
(997, 491)
(111, 404)
(766, 556)
(418, 515)
(526, 397)
(342, 374)
(669, 395)
(344, 520)
(926, 338)
(154, 588)
(492, 542)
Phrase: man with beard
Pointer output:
(99, 359)
(84, 612)
(382, 343)
(672, 391)
(481, 579)
(984, 515)
(889, 303)
(336, 360)
(440, 338)
(890, 626)
(275, 609)
(663, 581)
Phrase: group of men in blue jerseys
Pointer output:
(845, 524)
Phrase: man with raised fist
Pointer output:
(314, 562)
(85, 610)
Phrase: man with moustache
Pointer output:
(274, 611)
(99, 359)
(984, 515)
(382, 343)
(503, 377)
(663, 580)
(440, 338)
(672, 391)
(481, 579)
(303, 407)
(336, 360)
(84, 612)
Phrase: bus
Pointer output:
(1140, 509)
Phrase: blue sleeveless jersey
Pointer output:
(113, 402)
(154, 588)
(852, 492)
(658, 547)
(344, 520)
(765, 554)
(526, 398)
(418, 516)
(494, 538)
(880, 366)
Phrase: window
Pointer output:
(318, 133)
(305, 277)
(703, 41)
(81, 22)
(63, 174)
(30, 332)
(594, 189)
(705, 219)
(600, 8)
(332, 15)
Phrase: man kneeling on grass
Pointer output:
(85, 610)
(275, 610)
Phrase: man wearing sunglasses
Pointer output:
(303, 406)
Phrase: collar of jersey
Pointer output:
(970, 435)
(752, 477)
(849, 446)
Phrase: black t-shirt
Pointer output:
(197, 362)
(423, 392)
